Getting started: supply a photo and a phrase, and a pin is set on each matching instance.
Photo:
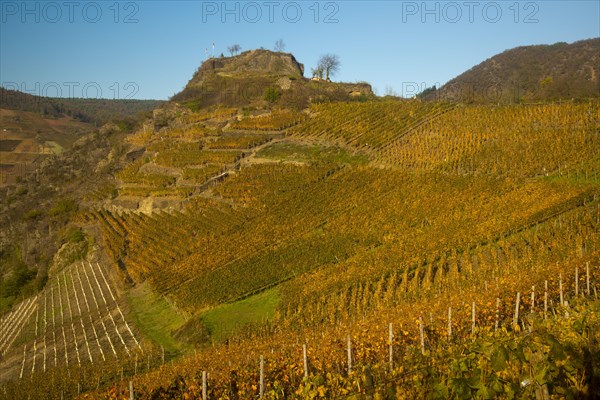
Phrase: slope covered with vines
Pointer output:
(459, 258)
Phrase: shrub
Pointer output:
(271, 94)
(75, 235)
(62, 207)
(32, 214)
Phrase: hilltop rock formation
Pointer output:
(235, 80)
(244, 79)
(261, 62)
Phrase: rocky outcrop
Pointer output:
(243, 80)
(234, 75)
(261, 62)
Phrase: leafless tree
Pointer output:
(280, 45)
(317, 72)
(330, 63)
(389, 91)
(234, 49)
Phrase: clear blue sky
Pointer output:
(150, 49)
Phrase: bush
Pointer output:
(75, 235)
(32, 214)
(20, 277)
(271, 94)
(62, 207)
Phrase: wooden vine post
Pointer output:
(545, 300)
(576, 281)
(449, 323)
(262, 376)
(473, 318)
(560, 287)
(587, 278)
(391, 346)
(349, 351)
(516, 316)
(422, 334)
(497, 314)
(305, 360)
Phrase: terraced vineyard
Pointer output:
(506, 140)
(185, 158)
(268, 238)
(520, 258)
(76, 320)
(394, 249)
(368, 126)
(284, 221)
(275, 121)
(12, 323)
(464, 314)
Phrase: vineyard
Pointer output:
(381, 249)
(488, 309)
(275, 121)
(356, 215)
(518, 141)
(369, 126)
(177, 168)
(77, 320)
(186, 157)
(481, 349)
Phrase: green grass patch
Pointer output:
(575, 179)
(311, 153)
(227, 319)
(155, 317)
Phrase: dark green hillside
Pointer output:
(530, 73)
(97, 111)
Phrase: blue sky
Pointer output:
(150, 49)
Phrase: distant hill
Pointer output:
(262, 78)
(530, 73)
(97, 111)
(104, 110)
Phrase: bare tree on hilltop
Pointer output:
(234, 49)
(317, 72)
(330, 64)
(280, 45)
